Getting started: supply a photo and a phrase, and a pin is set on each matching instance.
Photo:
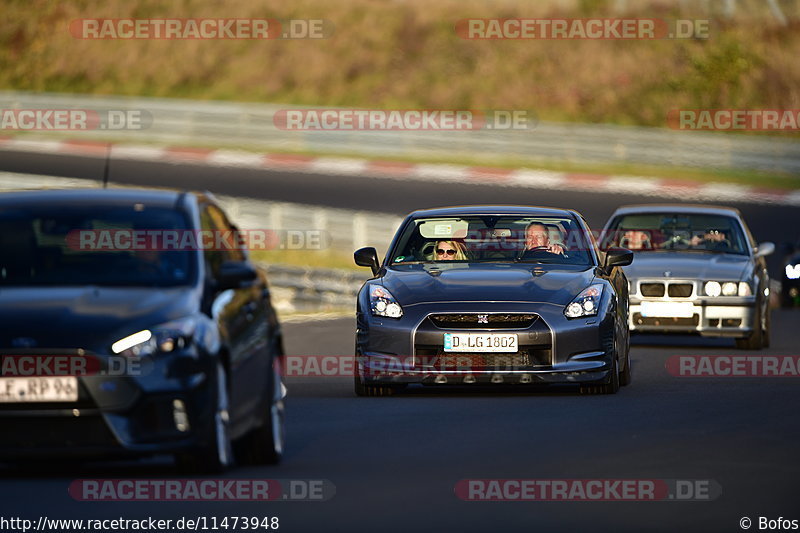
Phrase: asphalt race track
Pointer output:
(395, 461)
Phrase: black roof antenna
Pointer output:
(105, 169)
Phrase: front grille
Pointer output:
(483, 321)
(640, 320)
(652, 290)
(680, 290)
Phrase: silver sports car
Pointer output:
(697, 270)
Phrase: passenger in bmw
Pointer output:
(712, 239)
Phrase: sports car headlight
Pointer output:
(164, 338)
(586, 303)
(382, 303)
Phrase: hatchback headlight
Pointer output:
(382, 303)
(165, 338)
(587, 303)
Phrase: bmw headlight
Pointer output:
(727, 288)
(164, 338)
(730, 288)
(712, 288)
(587, 303)
(382, 303)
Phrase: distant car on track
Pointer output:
(199, 324)
(493, 295)
(697, 270)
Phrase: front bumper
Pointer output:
(553, 349)
(734, 317)
(120, 415)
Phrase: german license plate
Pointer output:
(39, 389)
(667, 309)
(480, 342)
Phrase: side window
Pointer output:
(213, 257)
(232, 251)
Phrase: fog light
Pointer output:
(441, 378)
(525, 378)
(179, 416)
(469, 378)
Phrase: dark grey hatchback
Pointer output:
(180, 349)
(494, 295)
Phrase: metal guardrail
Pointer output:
(250, 126)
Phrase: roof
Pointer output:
(466, 210)
(678, 208)
(91, 197)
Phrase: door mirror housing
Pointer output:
(232, 274)
(764, 249)
(368, 257)
(618, 257)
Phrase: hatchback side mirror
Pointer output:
(765, 249)
(233, 273)
(618, 257)
(368, 257)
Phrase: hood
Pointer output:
(413, 284)
(702, 266)
(85, 317)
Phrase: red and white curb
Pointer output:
(505, 177)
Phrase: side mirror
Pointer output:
(367, 257)
(233, 273)
(764, 249)
(618, 257)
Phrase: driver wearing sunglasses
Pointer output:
(449, 251)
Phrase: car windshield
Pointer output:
(658, 232)
(65, 245)
(495, 239)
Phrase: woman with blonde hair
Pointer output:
(452, 250)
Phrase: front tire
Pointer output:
(626, 375)
(265, 444)
(611, 386)
(216, 455)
